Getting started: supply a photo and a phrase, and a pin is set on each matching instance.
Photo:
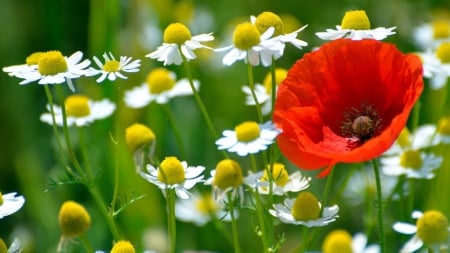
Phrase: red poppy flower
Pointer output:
(346, 102)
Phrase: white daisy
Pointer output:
(430, 35)
(434, 69)
(356, 26)
(31, 64)
(431, 134)
(10, 203)
(248, 138)
(54, 68)
(80, 111)
(113, 68)
(340, 240)
(161, 86)
(252, 46)
(282, 183)
(173, 174)
(412, 164)
(431, 229)
(177, 41)
(304, 210)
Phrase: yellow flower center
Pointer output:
(411, 159)
(1, 199)
(111, 66)
(441, 29)
(77, 106)
(206, 204)
(355, 20)
(306, 207)
(337, 241)
(74, 220)
(279, 174)
(33, 58)
(228, 174)
(404, 138)
(443, 52)
(280, 75)
(171, 171)
(247, 131)
(269, 19)
(138, 136)
(159, 80)
(123, 246)
(176, 33)
(444, 126)
(51, 63)
(3, 248)
(432, 227)
(246, 36)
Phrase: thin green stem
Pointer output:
(171, 222)
(251, 84)
(86, 244)
(326, 191)
(176, 132)
(303, 241)
(237, 247)
(116, 152)
(379, 205)
(274, 83)
(415, 116)
(260, 211)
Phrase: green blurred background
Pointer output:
(134, 28)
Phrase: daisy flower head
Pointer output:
(80, 111)
(304, 210)
(263, 91)
(54, 68)
(178, 43)
(340, 241)
(430, 35)
(282, 182)
(431, 229)
(10, 203)
(73, 219)
(121, 246)
(112, 68)
(31, 64)
(226, 177)
(434, 68)
(160, 86)
(356, 26)
(174, 174)
(345, 116)
(248, 138)
(15, 247)
(252, 46)
(140, 139)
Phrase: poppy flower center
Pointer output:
(441, 29)
(306, 207)
(111, 66)
(361, 124)
(171, 171)
(247, 131)
(355, 20)
(279, 174)
(269, 19)
(123, 246)
(159, 81)
(443, 52)
(33, 58)
(444, 126)
(338, 241)
(432, 227)
(138, 136)
(246, 36)
(280, 75)
(206, 204)
(228, 174)
(77, 106)
(51, 63)
(176, 33)
(411, 159)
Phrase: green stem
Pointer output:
(303, 241)
(251, 84)
(177, 134)
(326, 192)
(237, 248)
(85, 241)
(274, 83)
(171, 222)
(415, 116)
(116, 143)
(380, 206)
(260, 210)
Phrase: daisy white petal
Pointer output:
(10, 204)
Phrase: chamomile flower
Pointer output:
(160, 86)
(54, 68)
(10, 203)
(304, 210)
(431, 229)
(340, 241)
(15, 247)
(174, 174)
(434, 69)
(430, 35)
(178, 43)
(356, 26)
(31, 64)
(112, 68)
(80, 111)
(248, 138)
(282, 182)
(263, 92)
(252, 46)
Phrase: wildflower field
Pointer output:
(181, 126)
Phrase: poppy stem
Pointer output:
(379, 205)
